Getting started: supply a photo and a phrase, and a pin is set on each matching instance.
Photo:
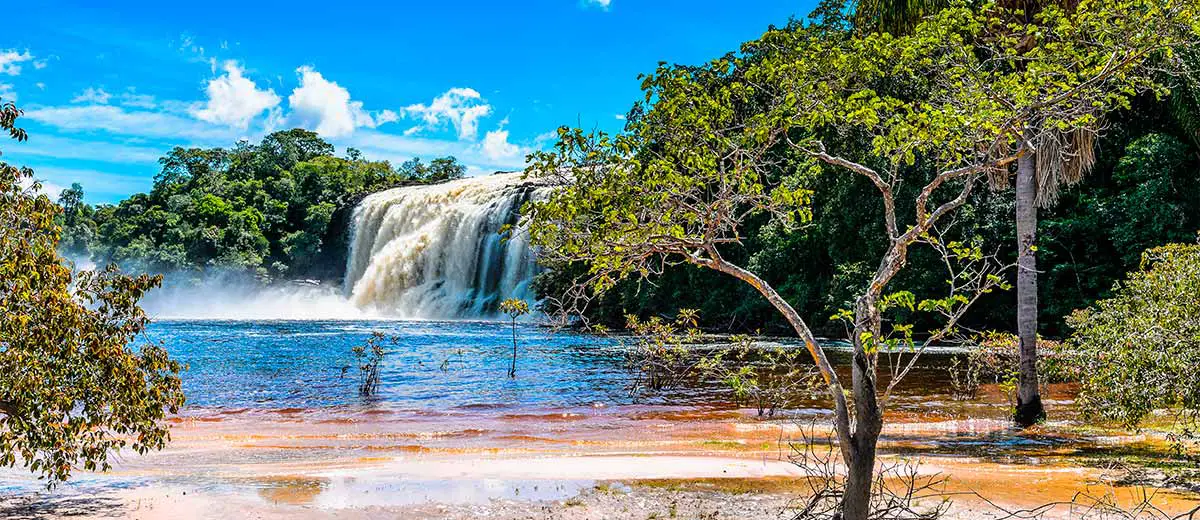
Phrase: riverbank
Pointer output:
(634, 462)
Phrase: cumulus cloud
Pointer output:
(7, 93)
(46, 188)
(460, 107)
(496, 146)
(10, 61)
(233, 99)
(92, 95)
(603, 4)
(386, 116)
(326, 106)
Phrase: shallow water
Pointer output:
(433, 367)
(274, 420)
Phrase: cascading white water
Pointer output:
(435, 252)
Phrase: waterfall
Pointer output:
(435, 252)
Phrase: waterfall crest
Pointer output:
(434, 251)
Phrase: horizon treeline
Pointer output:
(274, 210)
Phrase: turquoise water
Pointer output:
(433, 366)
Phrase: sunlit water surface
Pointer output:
(437, 367)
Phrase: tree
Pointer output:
(893, 16)
(72, 389)
(369, 356)
(1052, 154)
(695, 163)
(78, 229)
(438, 170)
(708, 147)
(514, 308)
(899, 16)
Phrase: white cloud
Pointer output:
(10, 61)
(326, 106)
(399, 148)
(46, 188)
(603, 4)
(386, 116)
(131, 98)
(275, 120)
(461, 107)
(233, 99)
(117, 120)
(57, 147)
(92, 95)
(620, 117)
(496, 146)
(187, 44)
(7, 93)
(40, 85)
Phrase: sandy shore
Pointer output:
(635, 463)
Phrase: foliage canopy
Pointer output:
(72, 389)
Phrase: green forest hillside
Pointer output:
(277, 209)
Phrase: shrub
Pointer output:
(1138, 351)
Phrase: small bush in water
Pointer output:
(514, 308)
(369, 356)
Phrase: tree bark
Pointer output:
(868, 417)
(841, 411)
(1029, 403)
(512, 370)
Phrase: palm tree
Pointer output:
(1050, 160)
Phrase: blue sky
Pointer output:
(107, 90)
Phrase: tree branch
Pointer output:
(885, 189)
(842, 413)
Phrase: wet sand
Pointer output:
(597, 462)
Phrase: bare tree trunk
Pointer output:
(1029, 403)
(856, 503)
(512, 370)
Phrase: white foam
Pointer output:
(434, 252)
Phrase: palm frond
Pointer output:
(893, 16)
(1063, 159)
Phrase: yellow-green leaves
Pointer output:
(514, 307)
(693, 162)
(73, 389)
(1138, 350)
